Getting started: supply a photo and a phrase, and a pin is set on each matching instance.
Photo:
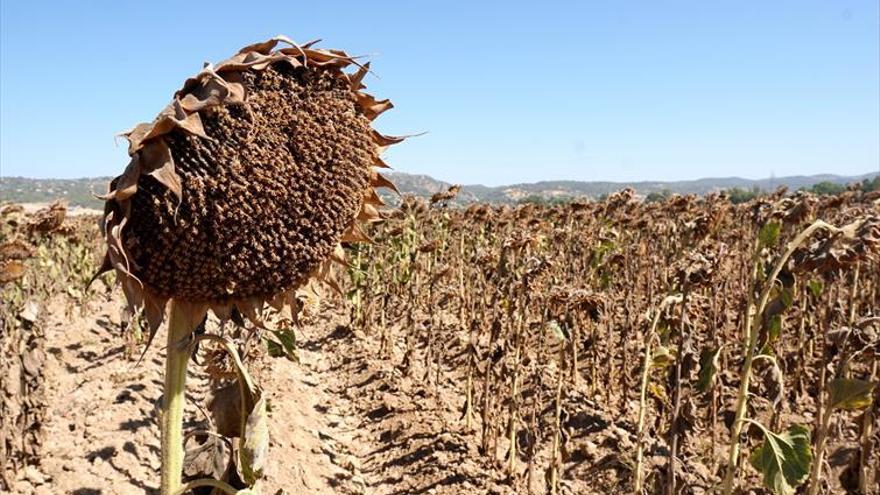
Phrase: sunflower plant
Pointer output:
(243, 190)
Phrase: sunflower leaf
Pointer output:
(283, 345)
(708, 368)
(663, 357)
(255, 444)
(784, 459)
(769, 234)
(557, 331)
(850, 394)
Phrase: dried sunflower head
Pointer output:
(447, 195)
(855, 242)
(11, 209)
(795, 209)
(480, 212)
(245, 186)
(15, 249)
(13, 254)
(696, 269)
(564, 298)
(619, 200)
(48, 219)
(579, 204)
(413, 205)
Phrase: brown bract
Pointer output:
(244, 187)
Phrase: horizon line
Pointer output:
(512, 184)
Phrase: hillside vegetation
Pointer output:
(80, 192)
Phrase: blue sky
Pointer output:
(508, 91)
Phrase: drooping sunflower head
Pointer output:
(243, 188)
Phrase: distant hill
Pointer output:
(423, 185)
(78, 192)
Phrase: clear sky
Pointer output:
(508, 91)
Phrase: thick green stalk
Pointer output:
(751, 336)
(176, 358)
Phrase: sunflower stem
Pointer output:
(753, 323)
(176, 359)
